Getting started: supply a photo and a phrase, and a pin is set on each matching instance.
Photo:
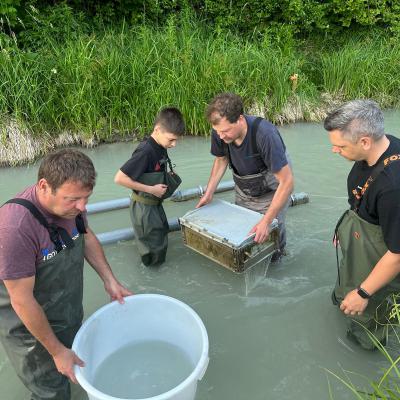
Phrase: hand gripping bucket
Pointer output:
(143, 317)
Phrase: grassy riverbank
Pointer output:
(107, 86)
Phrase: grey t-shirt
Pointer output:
(24, 242)
(269, 144)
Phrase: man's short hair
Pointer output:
(67, 165)
(170, 120)
(224, 105)
(357, 118)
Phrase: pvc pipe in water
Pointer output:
(108, 205)
(181, 195)
(298, 198)
(128, 233)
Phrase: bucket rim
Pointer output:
(195, 375)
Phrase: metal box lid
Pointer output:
(224, 222)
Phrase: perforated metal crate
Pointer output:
(220, 231)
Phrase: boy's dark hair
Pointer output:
(225, 105)
(67, 165)
(170, 119)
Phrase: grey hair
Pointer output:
(357, 118)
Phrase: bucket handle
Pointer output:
(203, 371)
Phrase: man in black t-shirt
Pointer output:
(369, 233)
(257, 156)
(145, 173)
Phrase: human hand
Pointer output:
(65, 360)
(353, 303)
(261, 231)
(116, 291)
(159, 190)
(205, 199)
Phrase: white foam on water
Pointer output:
(142, 369)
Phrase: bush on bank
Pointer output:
(240, 16)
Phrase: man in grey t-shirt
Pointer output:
(257, 155)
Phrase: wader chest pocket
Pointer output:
(254, 185)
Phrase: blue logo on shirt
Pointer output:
(45, 252)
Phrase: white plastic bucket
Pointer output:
(143, 317)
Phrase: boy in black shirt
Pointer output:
(146, 174)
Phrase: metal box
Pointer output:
(220, 231)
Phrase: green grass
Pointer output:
(113, 83)
(387, 385)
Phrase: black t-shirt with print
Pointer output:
(147, 157)
(380, 204)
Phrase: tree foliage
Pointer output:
(246, 17)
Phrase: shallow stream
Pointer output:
(275, 341)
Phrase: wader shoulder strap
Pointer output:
(359, 191)
(168, 163)
(80, 224)
(164, 160)
(171, 166)
(335, 241)
(253, 138)
(253, 135)
(58, 235)
(254, 130)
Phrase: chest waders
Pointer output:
(362, 246)
(59, 290)
(256, 191)
(148, 216)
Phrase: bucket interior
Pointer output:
(143, 318)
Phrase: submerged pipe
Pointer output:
(129, 233)
(187, 194)
(181, 195)
(108, 205)
(298, 198)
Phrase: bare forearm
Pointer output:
(217, 172)
(35, 320)
(124, 180)
(95, 256)
(279, 200)
(383, 273)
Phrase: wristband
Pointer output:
(363, 293)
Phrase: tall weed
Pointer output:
(387, 386)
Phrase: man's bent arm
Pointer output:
(217, 172)
(124, 180)
(283, 191)
(95, 256)
(383, 273)
(33, 317)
